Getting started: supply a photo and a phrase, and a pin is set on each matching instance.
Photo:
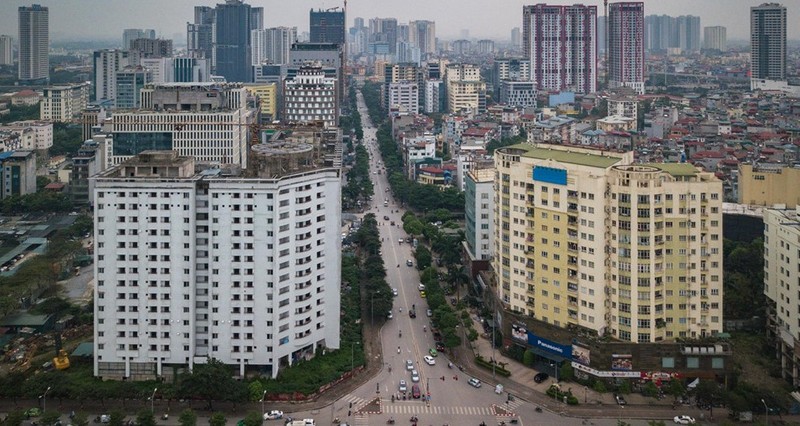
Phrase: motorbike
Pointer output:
(400, 334)
(336, 420)
(414, 419)
(398, 349)
(398, 265)
(538, 409)
(514, 421)
(449, 365)
(390, 422)
(424, 328)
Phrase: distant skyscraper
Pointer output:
(560, 43)
(663, 32)
(152, 47)
(601, 33)
(383, 35)
(768, 42)
(327, 26)
(233, 22)
(688, 33)
(34, 43)
(358, 23)
(131, 34)
(258, 46)
(626, 45)
(130, 81)
(422, 34)
(279, 43)
(200, 34)
(516, 38)
(715, 38)
(6, 50)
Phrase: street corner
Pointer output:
(500, 411)
(371, 407)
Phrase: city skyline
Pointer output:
(88, 19)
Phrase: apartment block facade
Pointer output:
(63, 103)
(588, 239)
(626, 45)
(192, 265)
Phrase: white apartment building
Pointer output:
(310, 96)
(404, 96)
(479, 213)
(518, 93)
(781, 278)
(41, 133)
(192, 265)
(434, 96)
(586, 238)
(625, 106)
(207, 121)
(105, 64)
(279, 43)
(63, 103)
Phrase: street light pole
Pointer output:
(262, 402)
(152, 401)
(494, 316)
(44, 399)
(766, 409)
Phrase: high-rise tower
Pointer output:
(200, 34)
(626, 45)
(327, 26)
(768, 42)
(232, 44)
(34, 43)
(561, 43)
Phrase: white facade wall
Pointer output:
(404, 96)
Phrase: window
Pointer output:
(692, 362)
(668, 362)
(717, 363)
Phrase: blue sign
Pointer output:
(550, 346)
(550, 175)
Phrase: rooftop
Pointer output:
(676, 169)
(580, 157)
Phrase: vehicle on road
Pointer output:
(620, 400)
(429, 313)
(409, 262)
(389, 315)
(409, 365)
(403, 386)
(439, 346)
(684, 420)
(400, 241)
(429, 360)
(540, 377)
(415, 391)
(422, 294)
(421, 287)
(433, 352)
(386, 218)
(414, 376)
(474, 382)
(394, 292)
(412, 313)
(273, 415)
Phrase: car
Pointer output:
(540, 377)
(421, 287)
(273, 415)
(409, 262)
(684, 420)
(412, 313)
(414, 376)
(439, 346)
(474, 382)
(403, 386)
(400, 241)
(386, 218)
(409, 365)
(620, 400)
(415, 391)
(394, 292)
(389, 315)
(429, 359)
(422, 294)
(429, 313)
(433, 352)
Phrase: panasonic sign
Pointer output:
(550, 346)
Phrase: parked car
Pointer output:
(273, 415)
(412, 313)
(415, 391)
(409, 365)
(433, 352)
(414, 376)
(409, 262)
(394, 292)
(422, 294)
(684, 420)
(389, 315)
(403, 386)
(429, 313)
(439, 346)
(474, 382)
(620, 400)
(429, 360)
(421, 287)
(540, 377)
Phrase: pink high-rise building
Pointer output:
(626, 45)
(561, 43)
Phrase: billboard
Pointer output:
(519, 332)
(550, 346)
(581, 355)
(622, 362)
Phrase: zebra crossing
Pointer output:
(512, 405)
(361, 420)
(356, 401)
(419, 409)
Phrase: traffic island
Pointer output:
(371, 407)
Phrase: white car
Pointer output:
(414, 376)
(389, 315)
(429, 359)
(403, 386)
(421, 287)
(273, 415)
(394, 292)
(683, 420)
(409, 365)
(474, 382)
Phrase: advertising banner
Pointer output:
(581, 355)
(607, 374)
(519, 332)
(622, 362)
(550, 346)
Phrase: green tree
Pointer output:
(656, 423)
(117, 418)
(211, 381)
(145, 417)
(566, 372)
(255, 390)
(253, 419)
(528, 358)
(675, 388)
(217, 419)
(80, 419)
(650, 389)
(14, 418)
(49, 417)
(188, 418)
(423, 256)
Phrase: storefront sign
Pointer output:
(607, 374)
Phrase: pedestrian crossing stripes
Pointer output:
(361, 420)
(512, 405)
(356, 401)
(422, 409)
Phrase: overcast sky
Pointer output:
(105, 19)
